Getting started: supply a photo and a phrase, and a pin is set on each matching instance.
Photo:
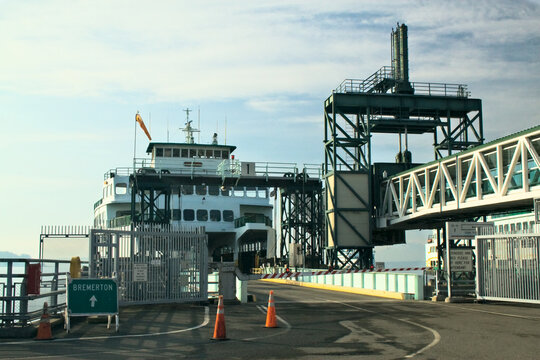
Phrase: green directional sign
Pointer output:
(92, 297)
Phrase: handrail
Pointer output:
(226, 168)
(253, 219)
(420, 88)
(17, 308)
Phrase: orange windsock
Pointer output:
(138, 119)
(219, 328)
(271, 312)
(44, 330)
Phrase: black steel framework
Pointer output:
(387, 102)
(301, 204)
(301, 213)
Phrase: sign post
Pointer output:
(91, 297)
(537, 211)
(460, 259)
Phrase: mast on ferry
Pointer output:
(188, 129)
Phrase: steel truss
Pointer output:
(301, 203)
(354, 114)
(301, 209)
(150, 211)
(504, 174)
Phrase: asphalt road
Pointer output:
(313, 324)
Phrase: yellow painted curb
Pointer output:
(347, 289)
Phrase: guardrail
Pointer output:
(227, 168)
(420, 88)
(17, 307)
(253, 219)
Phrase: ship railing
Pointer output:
(253, 219)
(18, 308)
(287, 169)
(227, 168)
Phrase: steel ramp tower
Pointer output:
(386, 102)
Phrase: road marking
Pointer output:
(203, 324)
(489, 312)
(357, 333)
(288, 326)
(436, 335)
(436, 338)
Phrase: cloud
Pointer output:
(169, 51)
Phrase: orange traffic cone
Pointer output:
(271, 312)
(44, 329)
(219, 328)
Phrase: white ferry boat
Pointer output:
(237, 220)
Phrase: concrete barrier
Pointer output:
(394, 285)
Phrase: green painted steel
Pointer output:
(92, 296)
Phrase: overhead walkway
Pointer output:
(501, 175)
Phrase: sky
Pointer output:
(74, 73)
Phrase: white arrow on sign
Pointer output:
(93, 301)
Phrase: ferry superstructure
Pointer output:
(237, 220)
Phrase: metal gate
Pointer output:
(508, 267)
(154, 265)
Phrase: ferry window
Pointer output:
(187, 189)
(176, 214)
(262, 193)
(215, 215)
(184, 153)
(213, 190)
(525, 226)
(167, 152)
(217, 154)
(238, 192)
(121, 213)
(228, 215)
(209, 153)
(176, 153)
(200, 153)
(200, 190)
(202, 215)
(506, 228)
(513, 227)
(251, 191)
(500, 229)
(192, 153)
(225, 154)
(518, 226)
(225, 191)
(121, 189)
(159, 151)
(189, 214)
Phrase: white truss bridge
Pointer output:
(503, 174)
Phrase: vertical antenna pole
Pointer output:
(199, 125)
(225, 129)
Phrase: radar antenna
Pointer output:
(188, 129)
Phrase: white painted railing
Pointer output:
(504, 171)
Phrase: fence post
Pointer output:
(23, 303)
(54, 284)
(9, 292)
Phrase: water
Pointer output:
(36, 304)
